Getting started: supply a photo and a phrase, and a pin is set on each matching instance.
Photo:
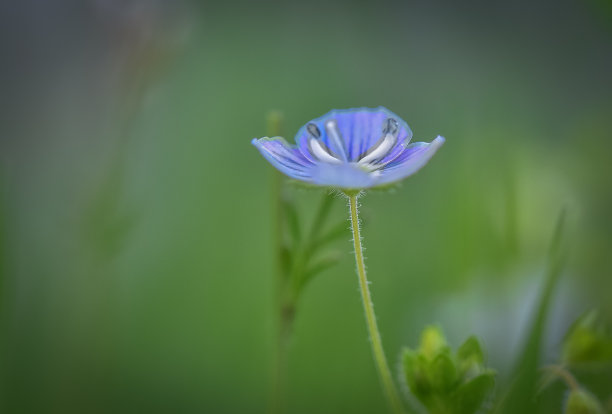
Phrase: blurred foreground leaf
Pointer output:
(580, 401)
(588, 341)
(519, 397)
(2, 239)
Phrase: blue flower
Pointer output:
(350, 149)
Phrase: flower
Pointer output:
(350, 149)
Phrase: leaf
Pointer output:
(409, 365)
(106, 222)
(588, 341)
(416, 375)
(471, 350)
(432, 341)
(581, 401)
(318, 267)
(472, 394)
(434, 375)
(341, 229)
(470, 356)
(443, 373)
(327, 201)
(2, 238)
(520, 396)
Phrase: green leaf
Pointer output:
(318, 267)
(409, 364)
(338, 231)
(106, 223)
(432, 341)
(580, 401)
(519, 398)
(472, 394)
(443, 373)
(470, 356)
(471, 350)
(327, 201)
(587, 341)
(439, 379)
(415, 371)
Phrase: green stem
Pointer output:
(284, 310)
(285, 324)
(377, 348)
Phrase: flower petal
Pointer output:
(360, 128)
(285, 158)
(412, 159)
(345, 176)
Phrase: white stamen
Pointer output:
(321, 154)
(380, 151)
(332, 132)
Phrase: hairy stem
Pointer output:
(377, 348)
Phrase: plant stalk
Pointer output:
(377, 348)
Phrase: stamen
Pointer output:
(313, 130)
(383, 145)
(334, 135)
(390, 126)
(320, 151)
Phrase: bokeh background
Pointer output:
(136, 248)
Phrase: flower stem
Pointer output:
(377, 349)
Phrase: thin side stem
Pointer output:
(565, 375)
(377, 348)
(285, 324)
(284, 310)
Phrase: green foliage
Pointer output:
(106, 222)
(300, 251)
(580, 401)
(519, 398)
(446, 382)
(588, 340)
(2, 237)
(304, 253)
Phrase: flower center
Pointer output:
(369, 161)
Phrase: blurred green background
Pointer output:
(136, 245)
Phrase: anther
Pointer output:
(383, 145)
(317, 147)
(390, 126)
(313, 130)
